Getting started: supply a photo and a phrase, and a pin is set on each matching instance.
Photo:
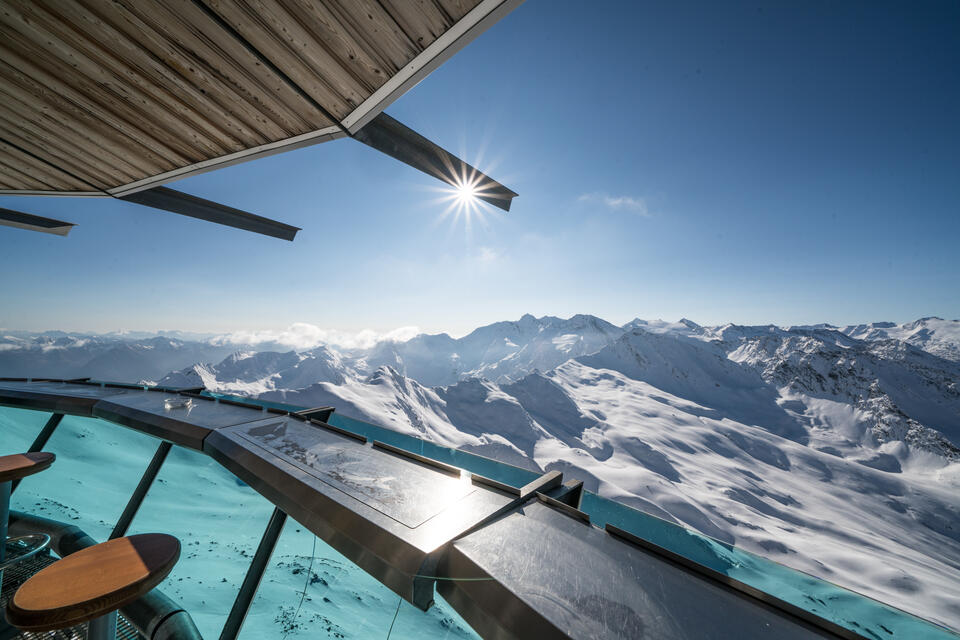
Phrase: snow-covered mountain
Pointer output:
(936, 335)
(55, 354)
(501, 352)
(252, 373)
(832, 450)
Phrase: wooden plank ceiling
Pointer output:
(98, 94)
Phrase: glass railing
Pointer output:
(308, 590)
(98, 466)
(845, 608)
(220, 520)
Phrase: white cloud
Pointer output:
(302, 335)
(487, 254)
(618, 203)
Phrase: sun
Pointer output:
(466, 193)
(465, 199)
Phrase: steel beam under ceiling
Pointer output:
(30, 222)
(188, 205)
(399, 141)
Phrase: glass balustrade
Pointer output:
(845, 608)
(98, 466)
(310, 590)
(219, 522)
(308, 586)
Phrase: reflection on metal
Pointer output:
(727, 580)
(186, 425)
(254, 574)
(188, 205)
(41, 440)
(561, 578)
(71, 399)
(129, 405)
(383, 512)
(399, 141)
(30, 222)
(133, 505)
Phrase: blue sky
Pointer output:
(755, 163)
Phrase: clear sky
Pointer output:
(756, 163)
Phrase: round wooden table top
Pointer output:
(93, 582)
(21, 465)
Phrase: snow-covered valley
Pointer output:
(832, 450)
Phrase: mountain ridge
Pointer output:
(834, 450)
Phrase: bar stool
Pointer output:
(12, 469)
(91, 584)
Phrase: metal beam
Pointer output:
(133, 505)
(30, 222)
(41, 440)
(251, 581)
(399, 141)
(188, 205)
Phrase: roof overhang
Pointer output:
(99, 99)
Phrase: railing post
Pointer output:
(254, 574)
(133, 505)
(41, 440)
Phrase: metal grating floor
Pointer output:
(16, 575)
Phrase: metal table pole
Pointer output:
(103, 628)
(4, 516)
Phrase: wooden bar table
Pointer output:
(12, 468)
(91, 584)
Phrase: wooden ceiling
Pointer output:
(110, 97)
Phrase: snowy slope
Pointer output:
(252, 373)
(501, 352)
(936, 335)
(830, 454)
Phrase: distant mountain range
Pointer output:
(835, 450)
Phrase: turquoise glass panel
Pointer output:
(18, 428)
(97, 468)
(219, 522)
(310, 590)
